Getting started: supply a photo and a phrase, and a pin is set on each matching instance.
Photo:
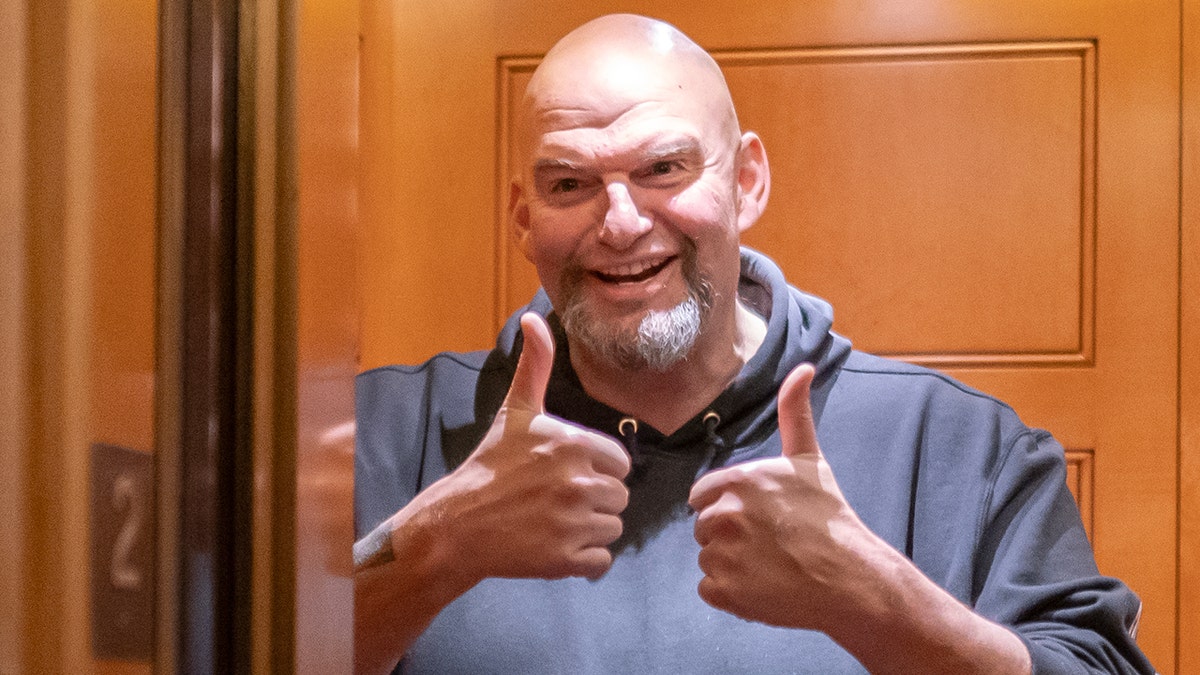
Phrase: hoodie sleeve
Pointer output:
(391, 414)
(1036, 572)
(416, 423)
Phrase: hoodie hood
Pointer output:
(730, 427)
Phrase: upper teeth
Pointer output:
(631, 269)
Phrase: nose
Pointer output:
(623, 224)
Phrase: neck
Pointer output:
(666, 400)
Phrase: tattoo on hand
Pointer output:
(374, 550)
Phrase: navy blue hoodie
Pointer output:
(945, 474)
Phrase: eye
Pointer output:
(663, 173)
(565, 185)
(661, 168)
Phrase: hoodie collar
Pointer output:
(798, 331)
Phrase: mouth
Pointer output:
(632, 273)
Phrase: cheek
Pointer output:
(548, 262)
(708, 219)
(703, 212)
(555, 236)
(551, 239)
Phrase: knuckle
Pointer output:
(724, 523)
(573, 490)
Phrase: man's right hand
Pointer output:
(539, 497)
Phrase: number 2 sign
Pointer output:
(122, 528)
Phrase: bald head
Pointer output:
(609, 44)
(614, 63)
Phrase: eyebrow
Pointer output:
(674, 148)
(654, 151)
(554, 164)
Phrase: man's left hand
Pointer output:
(779, 543)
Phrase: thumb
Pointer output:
(797, 429)
(528, 388)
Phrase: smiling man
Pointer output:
(670, 463)
(636, 190)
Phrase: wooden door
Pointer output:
(987, 188)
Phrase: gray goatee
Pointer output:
(662, 339)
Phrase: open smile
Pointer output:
(633, 273)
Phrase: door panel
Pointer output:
(78, 202)
(1189, 358)
(986, 188)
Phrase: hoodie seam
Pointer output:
(417, 369)
(987, 505)
(933, 374)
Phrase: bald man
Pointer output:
(669, 463)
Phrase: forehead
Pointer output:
(596, 92)
(600, 120)
(642, 126)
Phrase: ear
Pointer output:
(518, 217)
(753, 179)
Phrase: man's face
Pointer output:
(631, 201)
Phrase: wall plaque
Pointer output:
(122, 526)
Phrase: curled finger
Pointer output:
(591, 562)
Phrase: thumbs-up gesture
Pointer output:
(538, 497)
(779, 543)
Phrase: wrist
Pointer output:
(424, 539)
(873, 595)
(901, 621)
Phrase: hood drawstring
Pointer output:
(714, 451)
(628, 427)
(716, 445)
